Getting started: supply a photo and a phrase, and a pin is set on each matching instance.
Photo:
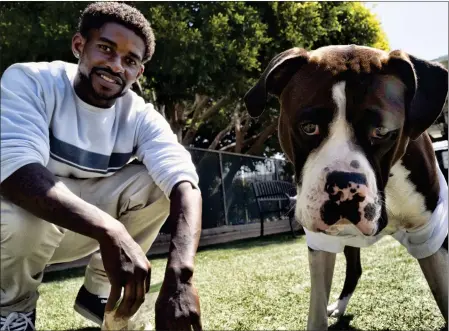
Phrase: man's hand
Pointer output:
(178, 304)
(126, 266)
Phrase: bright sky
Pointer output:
(418, 28)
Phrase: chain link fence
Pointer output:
(225, 183)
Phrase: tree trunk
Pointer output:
(238, 130)
(197, 108)
(176, 119)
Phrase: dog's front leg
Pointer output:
(321, 266)
(435, 269)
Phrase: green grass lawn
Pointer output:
(263, 284)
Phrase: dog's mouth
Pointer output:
(359, 219)
(349, 229)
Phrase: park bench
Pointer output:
(275, 196)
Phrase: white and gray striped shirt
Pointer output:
(44, 121)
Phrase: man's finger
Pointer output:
(148, 279)
(196, 322)
(129, 298)
(140, 296)
(114, 296)
(161, 323)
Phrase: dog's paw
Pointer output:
(338, 308)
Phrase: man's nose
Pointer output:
(337, 181)
(116, 65)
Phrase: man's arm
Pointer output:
(185, 221)
(178, 307)
(34, 188)
(171, 167)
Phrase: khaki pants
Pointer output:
(28, 243)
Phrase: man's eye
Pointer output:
(310, 129)
(132, 62)
(380, 132)
(105, 48)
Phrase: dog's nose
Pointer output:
(338, 181)
(346, 191)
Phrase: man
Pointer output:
(68, 186)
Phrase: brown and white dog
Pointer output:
(353, 123)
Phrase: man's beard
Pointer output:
(86, 82)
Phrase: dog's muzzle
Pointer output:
(340, 199)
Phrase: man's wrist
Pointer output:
(179, 272)
(106, 226)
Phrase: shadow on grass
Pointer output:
(61, 275)
(85, 329)
(244, 244)
(343, 324)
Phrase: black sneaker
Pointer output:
(90, 306)
(17, 321)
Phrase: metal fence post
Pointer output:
(223, 188)
(276, 173)
(276, 177)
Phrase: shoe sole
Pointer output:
(83, 311)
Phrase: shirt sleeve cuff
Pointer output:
(182, 178)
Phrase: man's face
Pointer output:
(110, 61)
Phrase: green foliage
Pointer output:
(37, 31)
(204, 48)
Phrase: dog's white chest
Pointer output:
(406, 208)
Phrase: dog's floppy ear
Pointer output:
(429, 96)
(273, 80)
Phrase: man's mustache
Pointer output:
(110, 72)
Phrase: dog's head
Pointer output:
(347, 115)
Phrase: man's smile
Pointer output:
(109, 78)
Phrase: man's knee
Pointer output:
(23, 234)
(141, 190)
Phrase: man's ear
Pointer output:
(78, 42)
(141, 70)
(274, 79)
(136, 87)
(429, 96)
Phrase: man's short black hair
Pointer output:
(99, 13)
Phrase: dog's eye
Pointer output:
(310, 128)
(380, 132)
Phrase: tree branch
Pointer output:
(214, 108)
(256, 148)
(247, 120)
(196, 121)
(220, 135)
(244, 143)
(198, 106)
(178, 120)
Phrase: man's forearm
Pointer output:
(34, 188)
(185, 220)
